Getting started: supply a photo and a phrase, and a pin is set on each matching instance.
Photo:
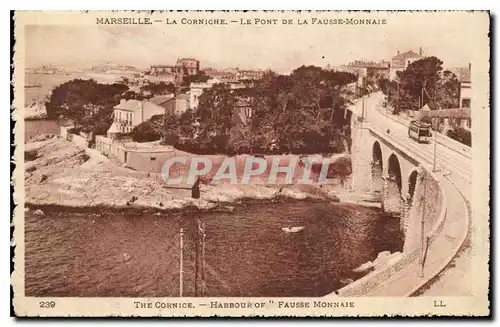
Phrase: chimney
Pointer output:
(398, 52)
(469, 67)
(420, 51)
(141, 108)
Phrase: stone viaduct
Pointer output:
(378, 166)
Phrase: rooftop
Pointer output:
(463, 113)
(463, 74)
(343, 68)
(161, 99)
(407, 54)
(163, 66)
(135, 105)
(242, 102)
(368, 64)
(182, 96)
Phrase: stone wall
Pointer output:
(429, 202)
(426, 208)
(148, 161)
(361, 159)
(64, 131)
(78, 140)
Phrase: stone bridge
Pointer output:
(378, 166)
(432, 210)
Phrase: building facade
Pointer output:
(465, 87)
(189, 66)
(234, 75)
(130, 113)
(177, 105)
(370, 72)
(196, 90)
(401, 61)
(248, 74)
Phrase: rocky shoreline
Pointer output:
(58, 172)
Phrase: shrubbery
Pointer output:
(461, 135)
(145, 132)
(298, 113)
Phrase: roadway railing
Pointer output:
(401, 278)
(445, 141)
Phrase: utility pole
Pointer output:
(363, 107)
(203, 286)
(200, 259)
(435, 148)
(422, 238)
(181, 265)
(422, 98)
(398, 98)
(197, 260)
(435, 131)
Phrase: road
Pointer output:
(450, 161)
(453, 161)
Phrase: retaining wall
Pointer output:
(434, 208)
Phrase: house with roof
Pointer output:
(189, 66)
(130, 113)
(369, 73)
(196, 90)
(165, 73)
(447, 118)
(465, 87)
(401, 61)
(161, 100)
(242, 112)
(177, 105)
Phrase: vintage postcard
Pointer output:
(238, 164)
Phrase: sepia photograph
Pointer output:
(242, 163)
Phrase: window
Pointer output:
(423, 132)
(465, 103)
(153, 158)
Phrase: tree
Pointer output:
(215, 113)
(461, 135)
(150, 130)
(200, 77)
(418, 84)
(298, 113)
(423, 82)
(131, 95)
(88, 103)
(448, 91)
(154, 89)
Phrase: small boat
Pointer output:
(292, 229)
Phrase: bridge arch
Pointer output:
(377, 167)
(412, 185)
(394, 184)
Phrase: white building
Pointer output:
(401, 61)
(196, 90)
(130, 113)
(465, 88)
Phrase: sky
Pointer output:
(280, 48)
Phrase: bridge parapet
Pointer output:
(420, 242)
(421, 198)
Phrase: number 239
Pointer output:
(47, 304)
